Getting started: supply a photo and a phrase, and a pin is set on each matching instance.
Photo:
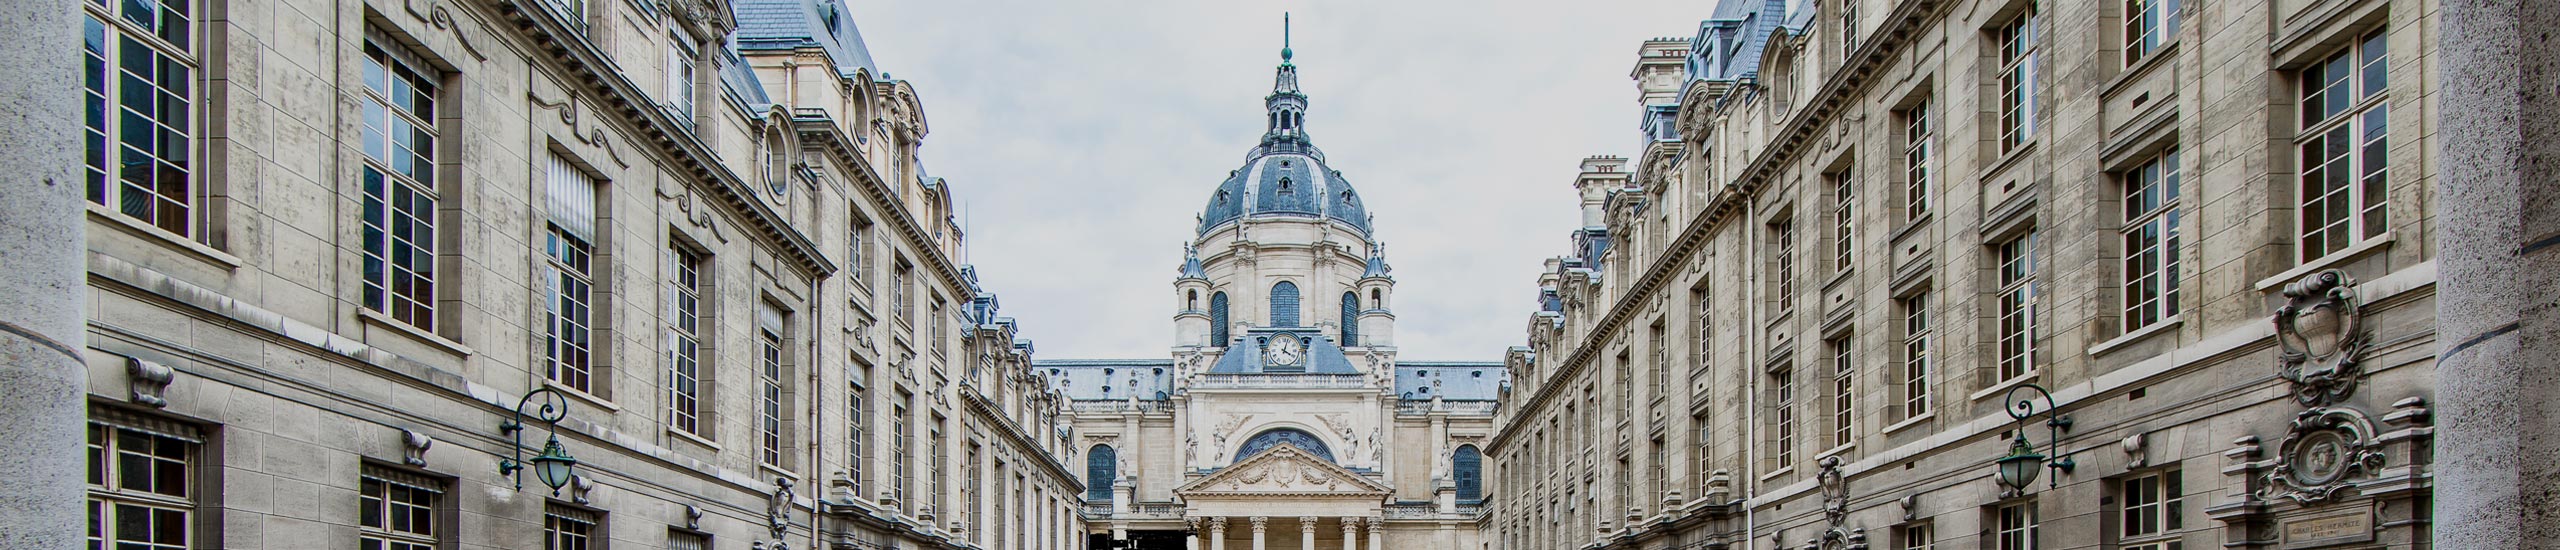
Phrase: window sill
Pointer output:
(2005, 161)
(777, 471)
(2358, 250)
(201, 251)
(1776, 474)
(1907, 423)
(1834, 451)
(377, 319)
(2005, 385)
(590, 398)
(1914, 224)
(2140, 66)
(682, 435)
(2137, 335)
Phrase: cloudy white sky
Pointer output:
(1083, 136)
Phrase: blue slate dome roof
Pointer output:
(1285, 176)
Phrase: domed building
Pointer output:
(1282, 417)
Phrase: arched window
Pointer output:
(1284, 304)
(1218, 319)
(1350, 319)
(1101, 467)
(1191, 300)
(1293, 436)
(1467, 467)
(1377, 300)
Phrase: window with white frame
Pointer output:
(2345, 161)
(139, 73)
(1703, 307)
(1782, 270)
(1782, 418)
(2147, 25)
(902, 282)
(1918, 137)
(143, 491)
(1915, 355)
(769, 377)
(2017, 306)
(400, 135)
(858, 252)
(1849, 24)
(2150, 237)
(399, 510)
(685, 330)
(939, 327)
(2151, 510)
(569, 249)
(571, 528)
(2016, 41)
(939, 482)
(1844, 392)
(902, 439)
(682, 57)
(2014, 526)
(683, 539)
(857, 412)
(1844, 219)
(1661, 360)
(1916, 537)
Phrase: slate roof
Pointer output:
(794, 24)
(1244, 356)
(1457, 380)
(1108, 379)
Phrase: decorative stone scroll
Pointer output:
(2322, 329)
(150, 381)
(1836, 533)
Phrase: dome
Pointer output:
(1285, 176)
(1285, 185)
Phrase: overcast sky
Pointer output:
(1082, 137)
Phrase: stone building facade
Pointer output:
(341, 244)
(1283, 417)
(1860, 233)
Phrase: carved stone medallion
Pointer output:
(2321, 455)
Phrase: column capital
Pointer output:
(1307, 524)
(1350, 524)
(1260, 524)
(1376, 523)
(1216, 523)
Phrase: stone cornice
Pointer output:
(825, 134)
(1908, 18)
(685, 154)
(1011, 432)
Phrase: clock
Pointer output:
(1284, 351)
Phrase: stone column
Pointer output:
(1306, 533)
(2498, 278)
(1217, 533)
(44, 281)
(1350, 533)
(1191, 540)
(1261, 525)
(1377, 533)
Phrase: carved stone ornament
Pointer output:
(693, 517)
(413, 448)
(777, 510)
(2322, 329)
(579, 487)
(1836, 534)
(150, 381)
(2326, 449)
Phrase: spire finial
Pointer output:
(1284, 37)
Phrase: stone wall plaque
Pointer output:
(2328, 530)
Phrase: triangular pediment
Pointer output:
(1284, 470)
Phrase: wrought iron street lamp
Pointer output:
(2019, 468)
(554, 467)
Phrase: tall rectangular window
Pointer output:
(938, 327)
(1782, 236)
(858, 253)
(569, 250)
(1702, 305)
(1918, 137)
(682, 57)
(1849, 24)
(2151, 512)
(570, 528)
(1915, 355)
(1661, 360)
(902, 290)
(2150, 236)
(977, 513)
(142, 482)
(902, 439)
(1844, 219)
(2345, 161)
(941, 465)
(399, 510)
(2017, 42)
(769, 395)
(2017, 306)
(1782, 417)
(1844, 392)
(2147, 25)
(138, 71)
(684, 379)
(2014, 526)
(857, 412)
(400, 196)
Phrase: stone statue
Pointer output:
(1377, 448)
(1191, 450)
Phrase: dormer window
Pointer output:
(1284, 186)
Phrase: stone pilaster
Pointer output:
(2498, 290)
(43, 284)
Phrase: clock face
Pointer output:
(1284, 351)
